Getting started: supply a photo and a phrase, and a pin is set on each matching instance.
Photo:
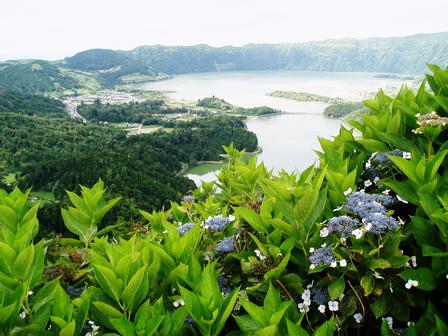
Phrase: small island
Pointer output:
(218, 104)
(337, 108)
(305, 97)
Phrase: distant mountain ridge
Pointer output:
(408, 54)
(92, 69)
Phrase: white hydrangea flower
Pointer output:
(231, 218)
(334, 264)
(367, 183)
(386, 192)
(357, 233)
(411, 283)
(338, 208)
(368, 164)
(333, 305)
(348, 192)
(343, 263)
(368, 226)
(303, 308)
(23, 314)
(311, 249)
(312, 266)
(407, 155)
(30, 292)
(377, 275)
(324, 232)
(389, 321)
(358, 317)
(414, 261)
(321, 308)
(260, 255)
(179, 302)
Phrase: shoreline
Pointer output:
(186, 166)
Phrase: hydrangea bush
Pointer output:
(355, 246)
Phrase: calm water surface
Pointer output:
(288, 140)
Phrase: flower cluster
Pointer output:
(379, 223)
(217, 223)
(320, 297)
(185, 228)
(223, 286)
(359, 198)
(365, 209)
(429, 120)
(344, 225)
(382, 157)
(322, 256)
(225, 246)
(188, 198)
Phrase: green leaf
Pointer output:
(336, 288)
(378, 264)
(23, 263)
(368, 284)
(295, 330)
(258, 314)
(69, 329)
(424, 276)
(123, 326)
(380, 306)
(326, 329)
(135, 291)
(108, 310)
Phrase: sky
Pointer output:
(54, 29)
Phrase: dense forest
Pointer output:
(391, 55)
(58, 154)
(30, 104)
(135, 112)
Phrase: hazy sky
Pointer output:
(53, 29)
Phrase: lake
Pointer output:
(288, 140)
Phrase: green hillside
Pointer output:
(34, 76)
(387, 55)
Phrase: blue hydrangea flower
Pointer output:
(358, 198)
(379, 223)
(185, 228)
(223, 286)
(225, 246)
(320, 296)
(322, 256)
(381, 158)
(189, 320)
(366, 209)
(217, 223)
(188, 198)
(344, 225)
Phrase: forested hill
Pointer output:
(408, 54)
